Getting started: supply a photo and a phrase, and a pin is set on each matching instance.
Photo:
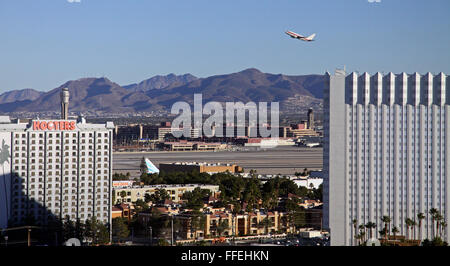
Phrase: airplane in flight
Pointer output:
(300, 37)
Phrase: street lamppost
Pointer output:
(171, 243)
(151, 236)
(96, 237)
(29, 237)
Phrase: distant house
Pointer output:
(122, 210)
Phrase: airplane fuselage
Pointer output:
(298, 36)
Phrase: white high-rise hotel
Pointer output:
(386, 151)
(55, 168)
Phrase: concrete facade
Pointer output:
(56, 168)
(386, 140)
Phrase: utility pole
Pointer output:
(132, 234)
(29, 237)
(234, 231)
(151, 236)
(172, 231)
(321, 224)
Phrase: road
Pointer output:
(280, 160)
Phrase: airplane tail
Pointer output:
(151, 168)
(311, 37)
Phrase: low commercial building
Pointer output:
(199, 167)
(192, 146)
(164, 132)
(254, 223)
(132, 194)
(309, 182)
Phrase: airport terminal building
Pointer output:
(386, 152)
(55, 168)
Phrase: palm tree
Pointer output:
(420, 216)
(413, 226)
(370, 226)
(358, 238)
(362, 233)
(443, 226)
(395, 231)
(433, 212)
(386, 220)
(355, 227)
(408, 223)
(383, 233)
(439, 219)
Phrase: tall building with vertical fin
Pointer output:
(386, 152)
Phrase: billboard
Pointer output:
(122, 183)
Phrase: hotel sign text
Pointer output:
(53, 125)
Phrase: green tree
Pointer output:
(123, 195)
(68, 228)
(252, 193)
(198, 221)
(222, 226)
(140, 206)
(195, 199)
(119, 228)
(96, 231)
(160, 195)
(265, 223)
(163, 242)
(147, 198)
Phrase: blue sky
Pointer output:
(47, 42)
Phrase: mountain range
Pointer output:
(158, 93)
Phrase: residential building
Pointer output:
(133, 193)
(240, 224)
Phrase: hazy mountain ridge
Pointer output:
(19, 95)
(160, 92)
(161, 82)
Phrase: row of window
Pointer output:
(57, 135)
